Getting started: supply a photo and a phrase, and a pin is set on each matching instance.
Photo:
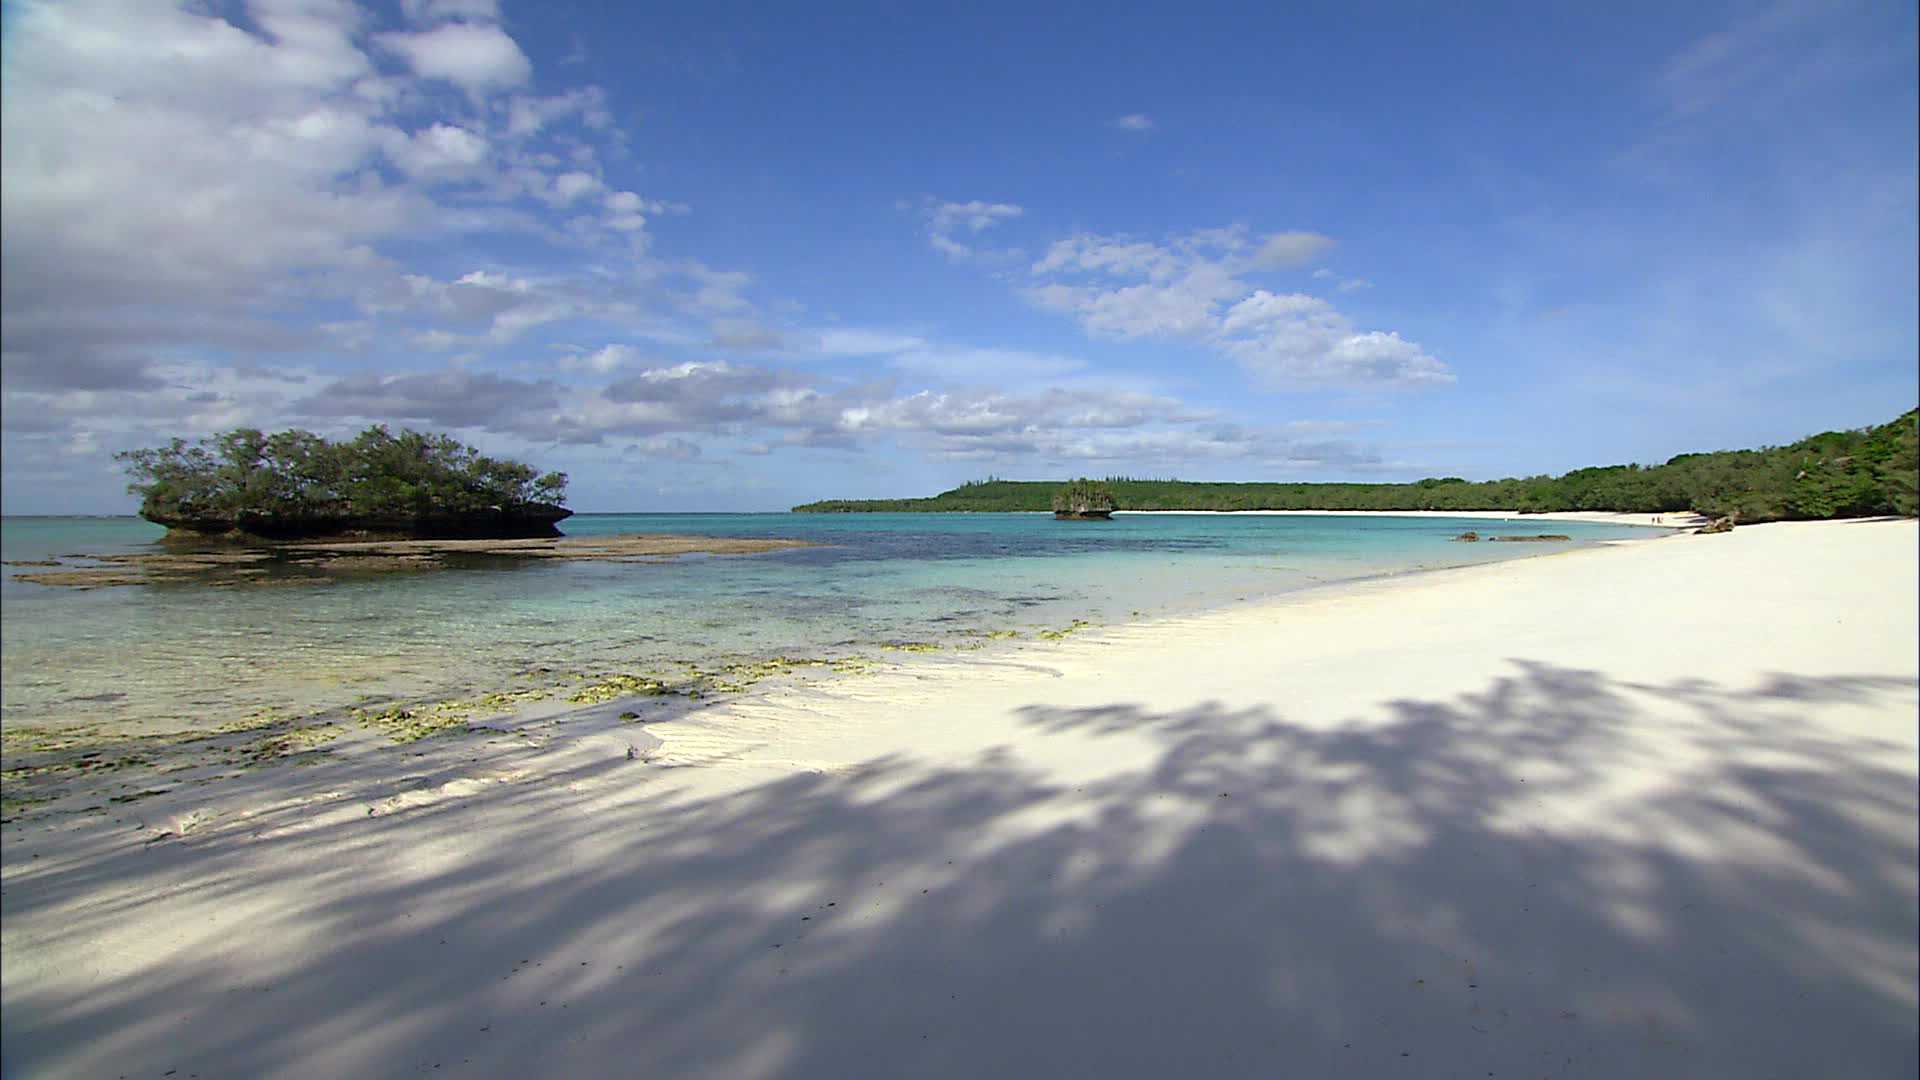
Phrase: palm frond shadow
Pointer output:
(1458, 889)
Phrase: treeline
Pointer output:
(1858, 473)
(297, 482)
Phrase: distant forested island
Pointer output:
(295, 485)
(1857, 473)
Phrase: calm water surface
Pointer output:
(185, 655)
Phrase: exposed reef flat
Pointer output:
(318, 562)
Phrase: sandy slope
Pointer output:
(1641, 810)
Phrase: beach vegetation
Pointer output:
(299, 483)
(1862, 472)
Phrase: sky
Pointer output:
(734, 257)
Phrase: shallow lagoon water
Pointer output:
(189, 656)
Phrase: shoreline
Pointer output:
(1685, 519)
(1599, 785)
(333, 704)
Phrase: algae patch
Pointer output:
(617, 686)
(404, 725)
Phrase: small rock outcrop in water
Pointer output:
(1474, 537)
(1083, 500)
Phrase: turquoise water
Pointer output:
(186, 656)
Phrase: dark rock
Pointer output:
(1541, 537)
(525, 521)
(1467, 538)
(1717, 525)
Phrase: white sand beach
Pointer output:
(1646, 809)
(1682, 519)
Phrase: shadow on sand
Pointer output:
(1462, 890)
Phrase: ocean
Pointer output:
(183, 656)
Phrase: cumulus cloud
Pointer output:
(670, 448)
(566, 189)
(1195, 287)
(1289, 249)
(764, 406)
(1294, 338)
(1134, 122)
(429, 11)
(527, 115)
(183, 246)
(604, 360)
(947, 222)
(1344, 284)
(437, 152)
(476, 57)
(455, 399)
(496, 307)
(149, 206)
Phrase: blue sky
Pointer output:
(729, 258)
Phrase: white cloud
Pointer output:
(1294, 338)
(865, 342)
(602, 361)
(768, 406)
(1194, 286)
(944, 219)
(1134, 122)
(972, 216)
(1289, 249)
(427, 11)
(527, 115)
(950, 362)
(141, 191)
(947, 362)
(626, 211)
(455, 399)
(570, 187)
(672, 448)
(475, 57)
(1344, 284)
(1086, 253)
(438, 152)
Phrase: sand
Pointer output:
(1685, 519)
(1645, 809)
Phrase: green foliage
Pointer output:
(1083, 496)
(299, 475)
(1835, 474)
